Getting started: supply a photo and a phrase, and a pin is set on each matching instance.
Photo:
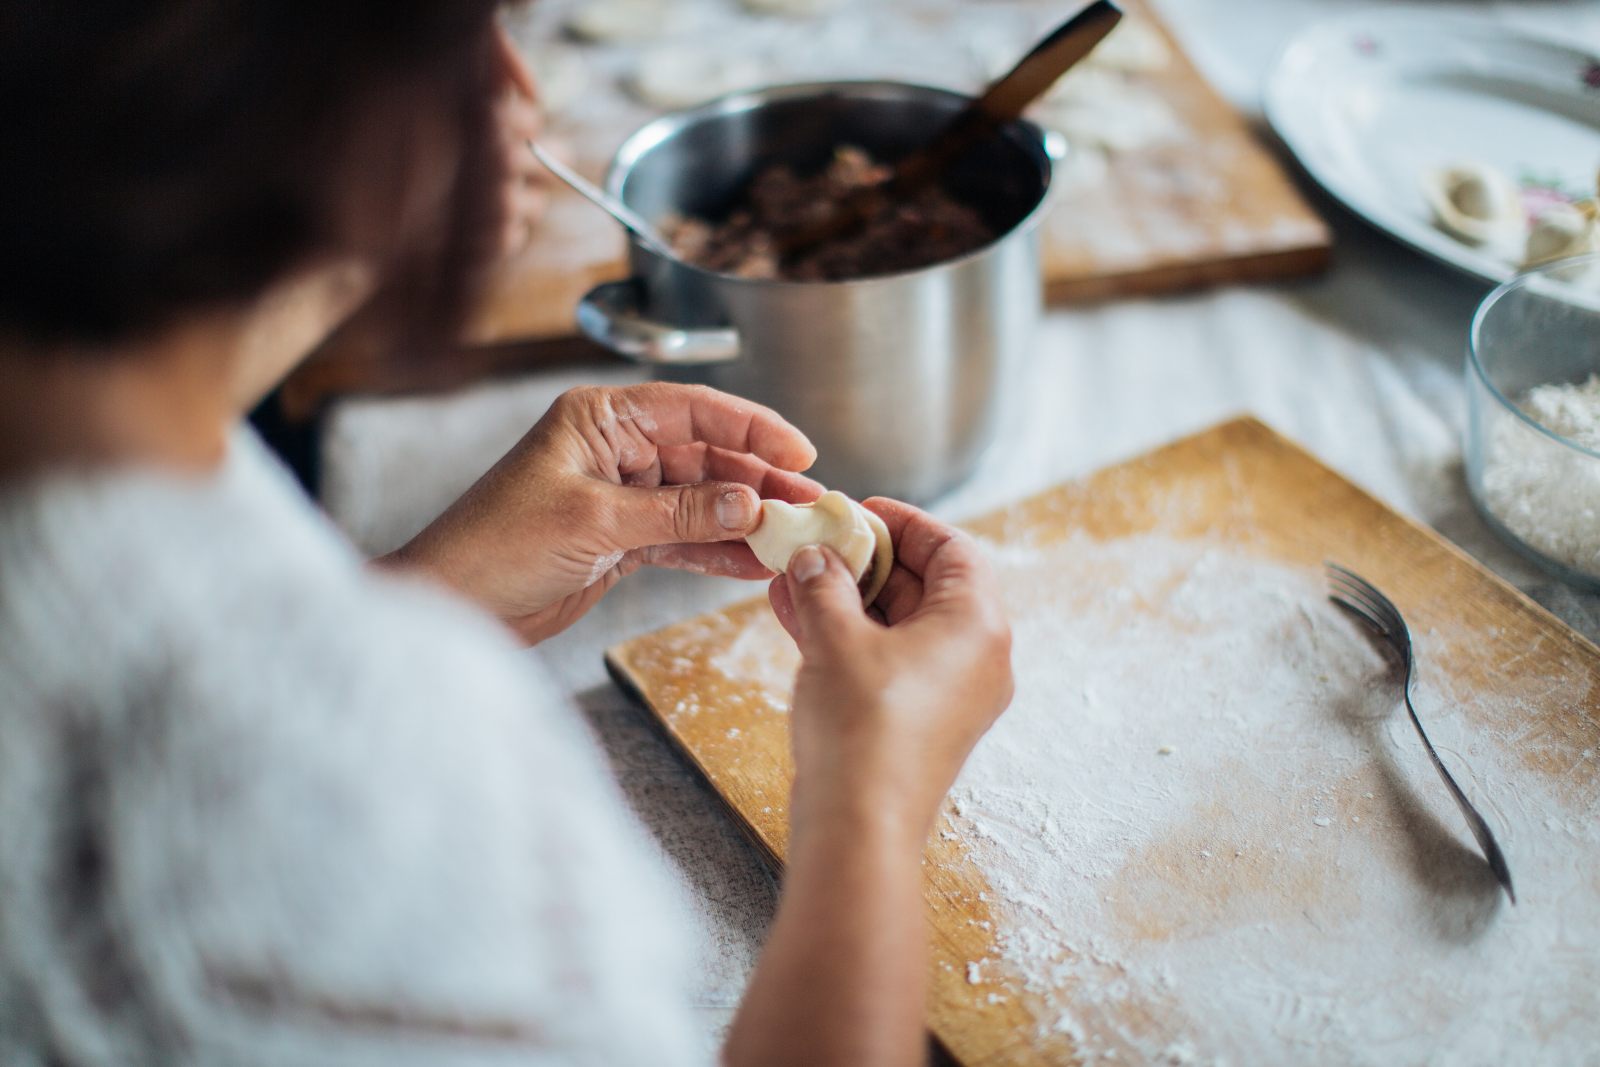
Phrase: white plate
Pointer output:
(1371, 101)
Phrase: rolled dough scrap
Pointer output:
(609, 21)
(833, 519)
(676, 76)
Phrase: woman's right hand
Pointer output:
(888, 705)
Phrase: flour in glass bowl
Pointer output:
(1546, 494)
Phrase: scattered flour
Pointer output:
(1548, 495)
(1290, 883)
(764, 655)
(602, 566)
(1213, 909)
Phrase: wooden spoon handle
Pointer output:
(1006, 99)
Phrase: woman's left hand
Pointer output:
(608, 481)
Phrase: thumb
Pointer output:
(685, 514)
(826, 600)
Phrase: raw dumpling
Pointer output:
(608, 21)
(1476, 204)
(833, 519)
(675, 76)
(1563, 230)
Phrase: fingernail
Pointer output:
(734, 510)
(807, 563)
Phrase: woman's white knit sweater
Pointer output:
(262, 805)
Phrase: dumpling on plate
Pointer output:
(1563, 230)
(1477, 204)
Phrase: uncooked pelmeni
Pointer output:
(833, 519)
(1477, 204)
(1563, 230)
(609, 21)
(677, 76)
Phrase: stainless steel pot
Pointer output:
(897, 379)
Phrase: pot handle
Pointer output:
(609, 315)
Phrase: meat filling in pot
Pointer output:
(930, 227)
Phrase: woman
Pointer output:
(261, 802)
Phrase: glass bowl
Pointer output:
(1533, 471)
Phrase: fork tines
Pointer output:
(1355, 593)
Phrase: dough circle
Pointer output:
(833, 519)
(611, 21)
(678, 76)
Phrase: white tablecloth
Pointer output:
(1362, 365)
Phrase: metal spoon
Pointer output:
(631, 220)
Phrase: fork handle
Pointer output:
(1477, 823)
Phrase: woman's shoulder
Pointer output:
(361, 789)
(233, 567)
(229, 604)
(231, 597)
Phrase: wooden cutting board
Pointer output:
(1309, 895)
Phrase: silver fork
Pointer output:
(1357, 595)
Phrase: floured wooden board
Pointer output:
(1170, 188)
(1204, 832)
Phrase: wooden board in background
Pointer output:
(1210, 205)
(1242, 486)
(1213, 208)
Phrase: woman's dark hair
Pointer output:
(168, 156)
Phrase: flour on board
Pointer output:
(1206, 834)
(1297, 884)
